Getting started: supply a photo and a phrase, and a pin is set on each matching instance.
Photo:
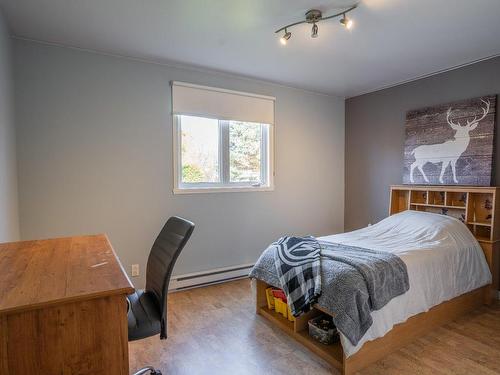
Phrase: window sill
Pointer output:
(222, 190)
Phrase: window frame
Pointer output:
(225, 185)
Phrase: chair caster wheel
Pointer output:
(157, 372)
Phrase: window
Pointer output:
(214, 154)
(222, 154)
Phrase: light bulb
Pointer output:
(284, 38)
(346, 22)
(314, 31)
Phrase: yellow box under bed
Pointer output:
(276, 304)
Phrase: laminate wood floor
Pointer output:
(214, 330)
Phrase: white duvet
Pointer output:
(443, 258)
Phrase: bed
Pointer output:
(452, 263)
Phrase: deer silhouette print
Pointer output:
(450, 151)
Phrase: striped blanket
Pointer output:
(298, 265)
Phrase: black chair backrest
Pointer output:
(164, 253)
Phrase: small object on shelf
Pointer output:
(270, 298)
(283, 308)
(276, 300)
(488, 205)
(323, 330)
(278, 293)
(463, 199)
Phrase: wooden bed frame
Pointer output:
(478, 207)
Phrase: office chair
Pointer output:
(147, 309)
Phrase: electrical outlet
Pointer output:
(135, 270)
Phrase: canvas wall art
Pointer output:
(451, 144)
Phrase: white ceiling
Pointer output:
(393, 40)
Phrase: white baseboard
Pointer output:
(215, 276)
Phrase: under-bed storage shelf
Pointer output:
(298, 329)
(475, 206)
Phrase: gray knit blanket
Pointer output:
(355, 282)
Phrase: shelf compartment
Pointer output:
(400, 200)
(418, 196)
(456, 199)
(480, 230)
(278, 318)
(456, 212)
(333, 354)
(480, 208)
(436, 198)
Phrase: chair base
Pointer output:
(145, 370)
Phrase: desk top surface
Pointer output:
(35, 274)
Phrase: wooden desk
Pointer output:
(63, 307)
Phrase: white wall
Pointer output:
(94, 138)
(9, 222)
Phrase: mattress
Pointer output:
(443, 259)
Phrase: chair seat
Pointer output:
(143, 315)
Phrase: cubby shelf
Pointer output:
(299, 330)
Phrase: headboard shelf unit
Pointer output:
(477, 207)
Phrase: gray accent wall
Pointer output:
(95, 156)
(9, 221)
(375, 134)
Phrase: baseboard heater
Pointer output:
(203, 278)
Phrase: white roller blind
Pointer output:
(189, 99)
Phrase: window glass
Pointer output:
(199, 149)
(245, 147)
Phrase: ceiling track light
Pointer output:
(313, 17)
(314, 31)
(285, 37)
(346, 22)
